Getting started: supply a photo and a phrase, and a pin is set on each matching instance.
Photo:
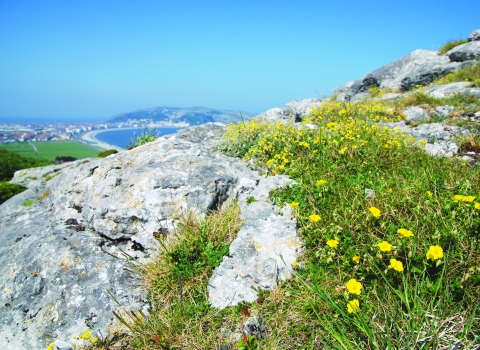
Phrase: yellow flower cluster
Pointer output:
(463, 199)
(343, 129)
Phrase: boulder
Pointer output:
(416, 114)
(69, 254)
(300, 108)
(292, 112)
(441, 91)
(443, 111)
(263, 252)
(465, 52)
(437, 137)
(474, 36)
(421, 67)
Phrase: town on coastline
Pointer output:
(37, 131)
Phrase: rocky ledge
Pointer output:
(68, 257)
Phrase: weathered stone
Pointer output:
(441, 91)
(443, 111)
(263, 251)
(465, 52)
(300, 108)
(274, 114)
(255, 326)
(436, 136)
(293, 112)
(416, 114)
(63, 254)
(474, 36)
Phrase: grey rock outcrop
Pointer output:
(443, 111)
(465, 52)
(474, 36)
(263, 252)
(416, 114)
(292, 112)
(437, 137)
(64, 254)
(419, 68)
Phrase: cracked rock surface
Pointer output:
(65, 253)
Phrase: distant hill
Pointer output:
(193, 115)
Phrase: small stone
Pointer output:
(416, 114)
(369, 193)
(255, 327)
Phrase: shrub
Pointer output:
(148, 135)
(11, 162)
(450, 45)
(106, 153)
(8, 190)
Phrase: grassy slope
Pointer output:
(51, 149)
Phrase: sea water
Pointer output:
(125, 137)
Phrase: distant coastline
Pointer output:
(105, 142)
(89, 137)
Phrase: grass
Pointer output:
(471, 74)
(177, 279)
(49, 150)
(450, 45)
(431, 302)
(391, 256)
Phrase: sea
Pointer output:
(126, 137)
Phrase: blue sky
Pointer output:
(89, 60)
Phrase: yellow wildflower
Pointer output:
(390, 190)
(404, 233)
(435, 252)
(353, 286)
(375, 212)
(429, 193)
(343, 150)
(50, 346)
(384, 246)
(353, 306)
(294, 264)
(356, 259)
(321, 182)
(396, 265)
(477, 205)
(332, 243)
(315, 218)
(464, 199)
(294, 204)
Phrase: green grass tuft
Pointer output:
(450, 45)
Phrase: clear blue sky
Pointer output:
(89, 60)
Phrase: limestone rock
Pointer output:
(292, 112)
(465, 52)
(64, 254)
(255, 326)
(441, 91)
(416, 114)
(300, 108)
(474, 36)
(437, 136)
(263, 252)
(443, 111)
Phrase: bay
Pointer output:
(125, 137)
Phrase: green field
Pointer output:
(51, 149)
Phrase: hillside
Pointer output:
(349, 222)
(193, 115)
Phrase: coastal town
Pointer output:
(25, 132)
